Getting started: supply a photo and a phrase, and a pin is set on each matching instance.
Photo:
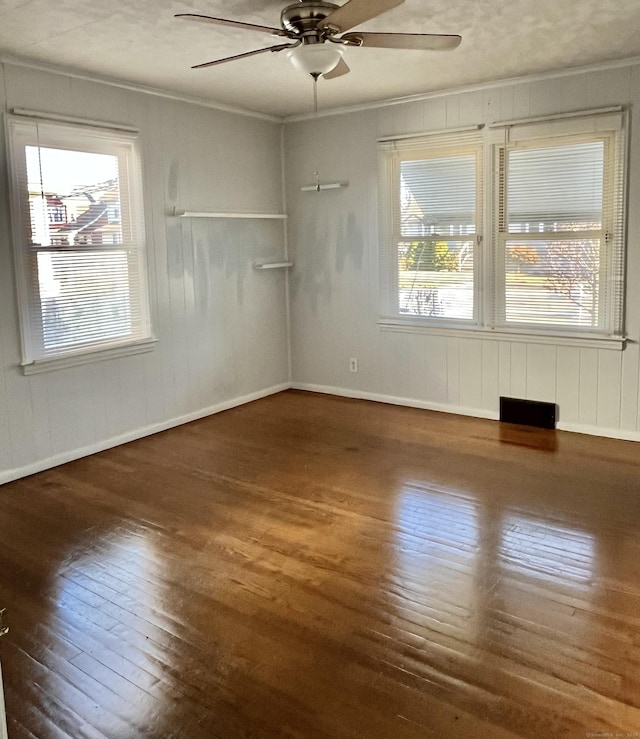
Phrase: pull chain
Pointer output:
(315, 113)
(315, 94)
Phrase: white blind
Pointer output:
(556, 188)
(435, 195)
(559, 255)
(80, 237)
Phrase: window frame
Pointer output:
(611, 124)
(22, 131)
(392, 154)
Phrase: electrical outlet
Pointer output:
(353, 364)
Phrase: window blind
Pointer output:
(435, 188)
(558, 258)
(80, 239)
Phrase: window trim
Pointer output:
(76, 359)
(614, 121)
(586, 341)
(610, 314)
(392, 152)
(122, 142)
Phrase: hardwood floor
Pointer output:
(310, 566)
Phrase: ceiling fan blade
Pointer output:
(423, 41)
(355, 12)
(341, 68)
(278, 47)
(226, 22)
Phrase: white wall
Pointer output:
(333, 238)
(221, 325)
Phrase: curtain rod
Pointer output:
(405, 136)
(558, 116)
(70, 119)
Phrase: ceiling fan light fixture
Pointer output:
(315, 59)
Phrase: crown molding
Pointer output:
(133, 87)
(506, 82)
(374, 105)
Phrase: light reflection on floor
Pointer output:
(436, 546)
(488, 577)
(548, 551)
(118, 576)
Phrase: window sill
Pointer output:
(615, 343)
(75, 360)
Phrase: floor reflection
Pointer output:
(434, 530)
(494, 580)
(548, 551)
(436, 547)
(109, 596)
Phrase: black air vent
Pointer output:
(528, 412)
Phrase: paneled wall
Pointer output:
(335, 285)
(221, 325)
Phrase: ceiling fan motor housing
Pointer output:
(301, 19)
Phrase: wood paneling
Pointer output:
(519, 377)
(568, 387)
(542, 372)
(309, 566)
(221, 325)
(588, 382)
(596, 390)
(471, 373)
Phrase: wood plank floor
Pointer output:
(309, 566)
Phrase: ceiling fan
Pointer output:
(316, 33)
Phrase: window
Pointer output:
(79, 239)
(559, 247)
(554, 262)
(436, 217)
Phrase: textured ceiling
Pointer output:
(139, 41)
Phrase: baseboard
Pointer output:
(397, 400)
(58, 459)
(577, 428)
(608, 433)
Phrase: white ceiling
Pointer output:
(139, 41)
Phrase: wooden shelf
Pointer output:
(327, 186)
(273, 265)
(268, 216)
(207, 214)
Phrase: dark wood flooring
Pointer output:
(309, 566)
